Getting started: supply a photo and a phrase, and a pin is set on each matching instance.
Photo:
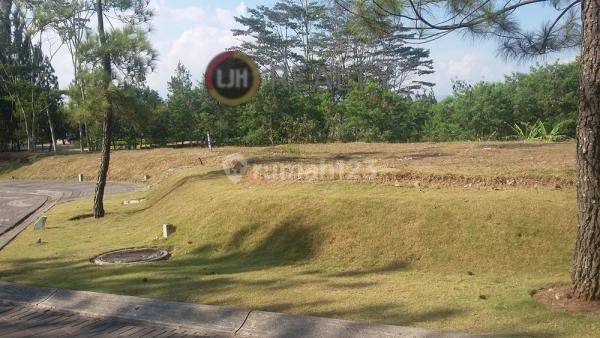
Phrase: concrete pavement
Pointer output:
(17, 320)
(17, 206)
(21, 202)
(194, 319)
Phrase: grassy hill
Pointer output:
(447, 257)
(479, 164)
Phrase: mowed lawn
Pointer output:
(452, 258)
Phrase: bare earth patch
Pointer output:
(485, 165)
(560, 298)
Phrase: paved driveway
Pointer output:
(22, 201)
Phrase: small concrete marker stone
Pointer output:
(80, 177)
(40, 223)
(135, 201)
(168, 230)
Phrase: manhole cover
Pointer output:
(132, 255)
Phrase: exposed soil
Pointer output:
(418, 179)
(560, 298)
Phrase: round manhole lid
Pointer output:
(131, 255)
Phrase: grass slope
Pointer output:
(446, 164)
(362, 251)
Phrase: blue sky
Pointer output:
(194, 31)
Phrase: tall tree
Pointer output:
(129, 52)
(576, 23)
(70, 21)
(586, 266)
(6, 111)
(114, 58)
(314, 46)
(180, 104)
(98, 208)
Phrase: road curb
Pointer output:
(22, 223)
(239, 322)
(53, 196)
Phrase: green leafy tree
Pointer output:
(372, 113)
(117, 58)
(180, 104)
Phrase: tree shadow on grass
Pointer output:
(181, 280)
(391, 267)
(212, 272)
(291, 242)
(393, 314)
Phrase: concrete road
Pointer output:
(22, 201)
(17, 320)
(17, 206)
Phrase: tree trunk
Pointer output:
(33, 122)
(52, 138)
(586, 264)
(98, 209)
(80, 136)
(5, 6)
(88, 142)
(26, 128)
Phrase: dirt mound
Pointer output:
(560, 298)
(414, 178)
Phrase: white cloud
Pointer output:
(194, 48)
(195, 45)
(192, 35)
(462, 67)
(186, 14)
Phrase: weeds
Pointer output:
(538, 132)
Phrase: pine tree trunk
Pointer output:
(80, 136)
(88, 142)
(586, 264)
(33, 122)
(52, 138)
(26, 128)
(98, 209)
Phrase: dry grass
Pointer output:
(472, 164)
(446, 258)
(362, 251)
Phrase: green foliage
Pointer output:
(282, 115)
(538, 131)
(372, 114)
(29, 95)
(311, 45)
(520, 106)
(328, 76)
